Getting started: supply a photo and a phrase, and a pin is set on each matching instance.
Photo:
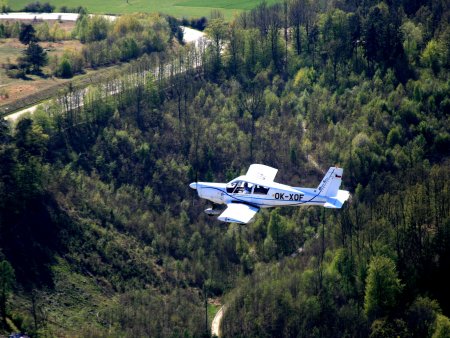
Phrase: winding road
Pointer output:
(215, 326)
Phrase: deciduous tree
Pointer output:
(6, 283)
(382, 287)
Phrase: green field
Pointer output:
(178, 8)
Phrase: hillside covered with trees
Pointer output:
(100, 234)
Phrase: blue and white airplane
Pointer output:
(245, 195)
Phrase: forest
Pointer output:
(100, 234)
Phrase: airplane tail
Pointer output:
(331, 182)
(329, 188)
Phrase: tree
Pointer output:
(35, 56)
(15, 30)
(432, 56)
(43, 31)
(277, 230)
(27, 34)
(385, 328)
(129, 49)
(336, 39)
(382, 36)
(296, 10)
(30, 138)
(65, 69)
(273, 34)
(235, 49)
(217, 32)
(97, 28)
(442, 327)
(56, 33)
(251, 100)
(413, 39)
(89, 29)
(422, 316)
(382, 287)
(6, 284)
(4, 8)
(37, 7)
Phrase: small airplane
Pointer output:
(246, 194)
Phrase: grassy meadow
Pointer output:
(11, 89)
(177, 8)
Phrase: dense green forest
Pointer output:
(100, 234)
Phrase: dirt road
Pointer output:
(215, 326)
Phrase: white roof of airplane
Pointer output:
(267, 184)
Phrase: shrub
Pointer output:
(37, 7)
(64, 69)
(16, 73)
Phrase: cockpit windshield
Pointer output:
(240, 187)
(230, 187)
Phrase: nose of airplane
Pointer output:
(193, 185)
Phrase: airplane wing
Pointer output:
(262, 172)
(238, 213)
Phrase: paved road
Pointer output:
(45, 16)
(13, 117)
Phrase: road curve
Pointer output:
(215, 326)
(14, 116)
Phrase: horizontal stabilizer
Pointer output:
(238, 213)
(336, 202)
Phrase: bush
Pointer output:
(16, 73)
(4, 93)
(64, 69)
(65, 9)
(442, 327)
(37, 7)
(199, 24)
(3, 33)
(8, 66)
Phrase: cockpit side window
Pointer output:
(240, 187)
(260, 190)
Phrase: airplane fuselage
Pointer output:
(280, 195)
(246, 195)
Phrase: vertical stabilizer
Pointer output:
(331, 182)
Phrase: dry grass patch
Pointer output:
(16, 89)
